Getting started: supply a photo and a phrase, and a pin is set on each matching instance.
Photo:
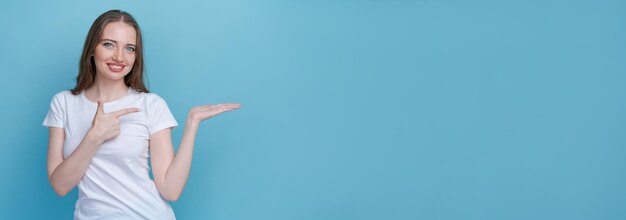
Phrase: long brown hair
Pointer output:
(87, 69)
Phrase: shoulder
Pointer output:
(63, 96)
(152, 99)
(152, 96)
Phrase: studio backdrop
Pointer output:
(351, 109)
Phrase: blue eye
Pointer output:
(130, 49)
(107, 44)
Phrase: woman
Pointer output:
(103, 130)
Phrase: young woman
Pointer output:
(103, 131)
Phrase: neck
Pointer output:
(106, 90)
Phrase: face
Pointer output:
(114, 55)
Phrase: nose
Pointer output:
(118, 56)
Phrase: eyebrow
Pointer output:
(106, 39)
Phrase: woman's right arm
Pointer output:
(64, 174)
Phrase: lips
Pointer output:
(116, 67)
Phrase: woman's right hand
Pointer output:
(105, 126)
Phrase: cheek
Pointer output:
(99, 55)
(131, 60)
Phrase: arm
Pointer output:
(171, 172)
(64, 174)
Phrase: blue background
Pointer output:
(352, 109)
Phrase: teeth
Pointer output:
(116, 67)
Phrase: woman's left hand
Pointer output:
(200, 113)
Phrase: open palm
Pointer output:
(200, 113)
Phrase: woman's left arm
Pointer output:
(171, 171)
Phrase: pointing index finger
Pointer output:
(126, 111)
(100, 109)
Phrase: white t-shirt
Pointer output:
(117, 184)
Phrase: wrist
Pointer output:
(93, 137)
(191, 123)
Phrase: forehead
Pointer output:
(120, 32)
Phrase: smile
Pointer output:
(116, 67)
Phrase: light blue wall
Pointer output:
(352, 109)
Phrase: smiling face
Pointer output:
(114, 56)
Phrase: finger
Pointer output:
(227, 105)
(230, 106)
(122, 112)
(224, 110)
(100, 109)
(233, 104)
(206, 115)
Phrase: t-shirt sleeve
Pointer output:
(160, 116)
(56, 113)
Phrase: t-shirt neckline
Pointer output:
(84, 98)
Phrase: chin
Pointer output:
(116, 76)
